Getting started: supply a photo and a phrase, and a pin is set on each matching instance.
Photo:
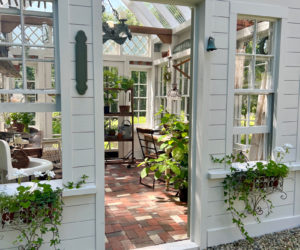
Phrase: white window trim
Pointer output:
(259, 11)
(35, 107)
(148, 94)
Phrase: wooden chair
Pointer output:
(148, 146)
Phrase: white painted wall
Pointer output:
(210, 223)
(82, 130)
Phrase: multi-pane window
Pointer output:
(111, 122)
(254, 87)
(183, 83)
(140, 96)
(160, 89)
(139, 45)
(27, 54)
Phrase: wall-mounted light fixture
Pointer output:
(211, 44)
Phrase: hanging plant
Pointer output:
(166, 74)
(251, 185)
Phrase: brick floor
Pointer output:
(138, 216)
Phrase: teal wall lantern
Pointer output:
(81, 62)
(211, 44)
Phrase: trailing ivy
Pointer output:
(252, 185)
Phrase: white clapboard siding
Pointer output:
(83, 140)
(218, 72)
(78, 222)
(83, 106)
(83, 157)
(217, 117)
(83, 123)
(221, 9)
(220, 24)
(84, 170)
(218, 87)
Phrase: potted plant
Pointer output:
(33, 211)
(26, 119)
(16, 122)
(110, 128)
(252, 183)
(174, 162)
(126, 84)
(111, 83)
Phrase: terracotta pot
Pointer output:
(124, 108)
(7, 217)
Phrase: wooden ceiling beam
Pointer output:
(165, 35)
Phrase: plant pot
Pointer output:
(19, 127)
(7, 217)
(124, 108)
(183, 194)
(111, 132)
(106, 109)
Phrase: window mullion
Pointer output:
(24, 73)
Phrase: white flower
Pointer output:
(50, 173)
(20, 173)
(38, 174)
(279, 150)
(288, 146)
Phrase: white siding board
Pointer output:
(216, 132)
(291, 87)
(220, 56)
(292, 45)
(85, 157)
(216, 146)
(293, 30)
(217, 102)
(221, 9)
(83, 106)
(218, 87)
(293, 59)
(85, 3)
(288, 115)
(78, 230)
(220, 24)
(83, 123)
(79, 213)
(221, 40)
(79, 200)
(289, 101)
(294, 15)
(292, 73)
(218, 72)
(288, 128)
(87, 170)
(83, 141)
(217, 117)
(80, 15)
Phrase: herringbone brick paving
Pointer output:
(138, 216)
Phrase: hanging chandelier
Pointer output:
(117, 32)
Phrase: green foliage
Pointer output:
(56, 122)
(33, 213)
(241, 185)
(72, 185)
(131, 19)
(175, 143)
(112, 80)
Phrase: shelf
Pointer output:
(115, 138)
(120, 89)
(119, 114)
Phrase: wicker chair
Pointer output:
(52, 151)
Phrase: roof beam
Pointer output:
(165, 35)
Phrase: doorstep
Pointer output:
(179, 245)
